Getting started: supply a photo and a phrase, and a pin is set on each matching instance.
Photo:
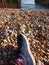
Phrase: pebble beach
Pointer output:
(34, 24)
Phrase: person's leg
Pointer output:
(4, 3)
(24, 50)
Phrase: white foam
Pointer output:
(27, 1)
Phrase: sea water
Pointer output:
(30, 4)
(27, 2)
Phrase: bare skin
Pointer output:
(4, 3)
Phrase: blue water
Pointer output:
(30, 4)
(27, 2)
(33, 6)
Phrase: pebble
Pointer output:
(31, 25)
